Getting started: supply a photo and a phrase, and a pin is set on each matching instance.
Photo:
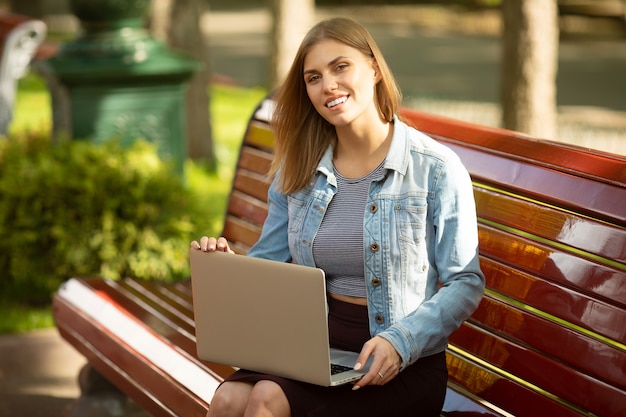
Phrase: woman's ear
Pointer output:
(377, 75)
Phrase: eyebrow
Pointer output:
(330, 64)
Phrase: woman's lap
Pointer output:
(419, 390)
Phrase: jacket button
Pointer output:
(374, 247)
(373, 208)
(376, 282)
(379, 319)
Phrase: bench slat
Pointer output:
(122, 347)
(118, 363)
(596, 165)
(243, 206)
(502, 391)
(244, 233)
(168, 320)
(160, 316)
(161, 320)
(596, 279)
(529, 329)
(586, 196)
(551, 223)
(555, 378)
(259, 135)
(252, 184)
(554, 299)
(255, 160)
(172, 307)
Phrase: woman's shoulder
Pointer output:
(422, 143)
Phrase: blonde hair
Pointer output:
(301, 134)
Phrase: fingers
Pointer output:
(211, 244)
(385, 365)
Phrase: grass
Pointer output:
(16, 318)
(230, 110)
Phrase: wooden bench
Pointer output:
(549, 337)
(20, 38)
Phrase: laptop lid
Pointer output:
(262, 315)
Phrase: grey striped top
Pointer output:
(338, 245)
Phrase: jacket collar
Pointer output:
(397, 158)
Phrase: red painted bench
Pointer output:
(548, 339)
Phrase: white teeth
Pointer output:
(336, 101)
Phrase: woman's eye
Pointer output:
(313, 78)
(342, 67)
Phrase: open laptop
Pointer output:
(265, 316)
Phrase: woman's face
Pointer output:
(340, 82)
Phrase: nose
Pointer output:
(330, 84)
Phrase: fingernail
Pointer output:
(356, 387)
(357, 366)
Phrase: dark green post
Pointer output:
(122, 82)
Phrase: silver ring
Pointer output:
(380, 375)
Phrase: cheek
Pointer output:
(309, 92)
(312, 93)
(368, 80)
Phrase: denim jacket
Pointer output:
(420, 241)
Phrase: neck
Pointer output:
(359, 151)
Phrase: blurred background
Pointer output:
(98, 207)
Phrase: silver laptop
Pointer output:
(266, 316)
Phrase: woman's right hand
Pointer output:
(211, 244)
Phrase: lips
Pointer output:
(336, 101)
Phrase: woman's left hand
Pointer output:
(385, 365)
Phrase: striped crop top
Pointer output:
(338, 245)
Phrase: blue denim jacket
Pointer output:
(420, 241)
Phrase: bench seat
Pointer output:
(549, 336)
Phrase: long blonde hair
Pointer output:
(301, 134)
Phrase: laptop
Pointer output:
(266, 316)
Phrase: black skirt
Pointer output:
(418, 390)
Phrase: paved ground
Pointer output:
(440, 72)
(37, 374)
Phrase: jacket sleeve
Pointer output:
(452, 212)
(273, 242)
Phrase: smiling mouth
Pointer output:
(336, 102)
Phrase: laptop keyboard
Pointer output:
(337, 369)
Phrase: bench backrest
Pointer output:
(550, 333)
(20, 36)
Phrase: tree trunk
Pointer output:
(529, 66)
(177, 22)
(292, 19)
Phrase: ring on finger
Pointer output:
(380, 375)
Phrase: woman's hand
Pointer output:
(385, 365)
(211, 244)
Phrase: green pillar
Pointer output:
(122, 82)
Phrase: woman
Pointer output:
(386, 211)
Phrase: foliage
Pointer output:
(59, 193)
(76, 208)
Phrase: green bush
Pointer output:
(79, 209)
